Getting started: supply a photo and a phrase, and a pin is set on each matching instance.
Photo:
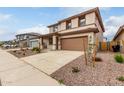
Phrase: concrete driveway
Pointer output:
(14, 71)
(51, 61)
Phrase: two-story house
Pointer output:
(28, 39)
(75, 31)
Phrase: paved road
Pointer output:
(13, 71)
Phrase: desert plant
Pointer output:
(22, 49)
(121, 78)
(61, 81)
(19, 52)
(27, 48)
(0, 45)
(24, 54)
(75, 69)
(119, 58)
(36, 49)
(14, 51)
(98, 59)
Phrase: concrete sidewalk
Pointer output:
(13, 71)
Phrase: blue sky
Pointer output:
(35, 19)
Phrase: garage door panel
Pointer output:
(74, 43)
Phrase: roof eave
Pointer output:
(118, 32)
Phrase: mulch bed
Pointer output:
(105, 73)
(24, 53)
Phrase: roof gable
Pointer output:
(118, 32)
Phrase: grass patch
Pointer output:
(119, 58)
(121, 78)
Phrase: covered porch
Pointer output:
(50, 41)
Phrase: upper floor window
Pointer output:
(55, 28)
(82, 21)
(68, 26)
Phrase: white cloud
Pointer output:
(37, 29)
(4, 17)
(112, 24)
(3, 31)
(68, 11)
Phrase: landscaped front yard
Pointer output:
(26, 52)
(105, 72)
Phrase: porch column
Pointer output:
(41, 43)
(54, 43)
(91, 41)
(59, 44)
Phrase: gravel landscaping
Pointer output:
(105, 72)
(24, 52)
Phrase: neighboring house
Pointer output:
(75, 31)
(28, 39)
(119, 37)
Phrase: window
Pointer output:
(82, 21)
(68, 26)
(55, 28)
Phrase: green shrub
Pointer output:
(1, 44)
(61, 81)
(119, 58)
(121, 78)
(75, 69)
(36, 49)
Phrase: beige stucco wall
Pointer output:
(59, 27)
(120, 36)
(50, 47)
(76, 35)
(46, 41)
(75, 22)
(63, 25)
(99, 35)
(40, 41)
(90, 18)
(50, 29)
(78, 28)
(54, 43)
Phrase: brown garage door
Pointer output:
(74, 43)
